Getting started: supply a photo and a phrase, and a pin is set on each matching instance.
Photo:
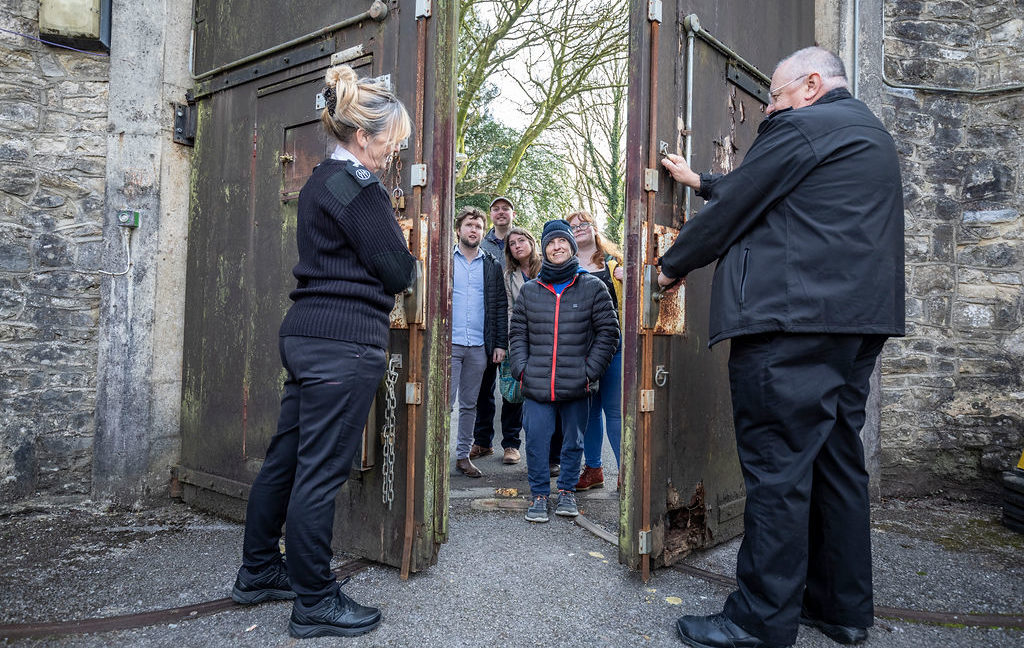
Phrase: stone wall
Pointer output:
(53, 145)
(953, 399)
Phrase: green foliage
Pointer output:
(540, 187)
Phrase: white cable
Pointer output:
(126, 234)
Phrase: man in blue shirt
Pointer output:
(503, 213)
(479, 326)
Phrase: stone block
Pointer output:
(976, 316)
(995, 255)
(52, 250)
(19, 116)
(929, 279)
(990, 216)
(988, 179)
(17, 180)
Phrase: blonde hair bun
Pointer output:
(344, 80)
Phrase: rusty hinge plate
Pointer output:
(644, 543)
(646, 400)
(650, 179)
(414, 393)
(185, 124)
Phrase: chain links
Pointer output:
(387, 434)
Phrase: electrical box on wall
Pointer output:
(79, 23)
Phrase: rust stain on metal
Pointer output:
(672, 309)
(686, 525)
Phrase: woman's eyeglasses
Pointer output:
(581, 227)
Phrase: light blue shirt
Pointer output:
(468, 299)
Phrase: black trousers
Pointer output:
(798, 406)
(511, 414)
(327, 396)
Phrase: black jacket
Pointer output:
(561, 345)
(809, 228)
(495, 306)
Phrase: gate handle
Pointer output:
(652, 295)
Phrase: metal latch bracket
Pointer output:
(418, 175)
(646, 400)
(423, 8)
(654, 10)
(185, 124)
(644, 543)
(650, 179)
(414, 393)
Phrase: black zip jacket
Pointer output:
(495, 306)
(808, 229)
(561, 345)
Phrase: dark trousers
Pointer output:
(511, 414)
(798, 406)
(328, 391)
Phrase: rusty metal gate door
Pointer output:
(694, 85)
(259, 65)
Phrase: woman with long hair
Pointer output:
(601, 258)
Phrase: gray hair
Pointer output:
(817, 59)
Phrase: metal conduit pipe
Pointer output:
(378, 11)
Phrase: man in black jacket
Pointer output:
(808, 232)
(479, 326)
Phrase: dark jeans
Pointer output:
(798, 405)
(327, 396)
(511, 415)
(539, 419)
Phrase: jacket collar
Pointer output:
(832, 95)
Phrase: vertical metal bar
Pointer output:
(648, 336)
(415, 352)
(688, 127)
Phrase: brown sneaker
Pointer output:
(466, 467)
(479, 451)
(512, 456)
(591, 478)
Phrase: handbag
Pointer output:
(510, 388)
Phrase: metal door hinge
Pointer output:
(646, 400)
(414, 393)
(418, 175)
(650, 179)
(654, 10)
(184, 124)
(423, 8)
(644, 543)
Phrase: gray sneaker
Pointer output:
(566, 504)
(538, 511)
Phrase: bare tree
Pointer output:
(594, 139)
(552, 49)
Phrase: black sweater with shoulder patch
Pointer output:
(353, 257)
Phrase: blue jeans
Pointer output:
(539, 423)
(608, 400)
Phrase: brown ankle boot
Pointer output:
(591, 478)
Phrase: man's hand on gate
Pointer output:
(680, 171)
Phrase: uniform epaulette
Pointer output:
(363, 176)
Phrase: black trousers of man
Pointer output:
(327, 396)
(798, 407)
(511, 414)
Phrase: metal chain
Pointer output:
(387, 434)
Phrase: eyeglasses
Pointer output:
(581, 227)
(777, 92)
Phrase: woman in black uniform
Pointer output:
(353, 259)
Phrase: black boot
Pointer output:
(334, 616)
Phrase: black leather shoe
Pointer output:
(839, 633)
(716, 631)
(271, 584)
(334, 616)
